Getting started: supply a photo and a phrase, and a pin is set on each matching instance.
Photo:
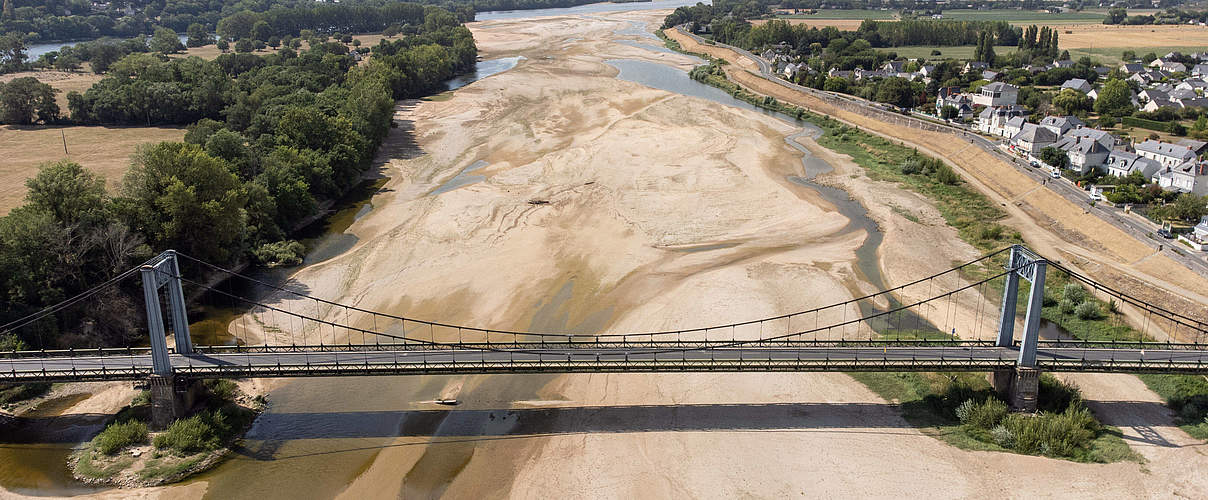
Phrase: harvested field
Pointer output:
(105, 150)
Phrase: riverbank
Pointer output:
(1145, 422)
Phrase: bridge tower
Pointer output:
(1020, 384)
(170, 395)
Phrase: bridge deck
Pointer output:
(591, 359)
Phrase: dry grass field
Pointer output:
(105, 150)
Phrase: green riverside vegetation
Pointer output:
(272, 141)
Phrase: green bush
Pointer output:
(1053, 434)
(1088, 310)
(984, 415)
(912, 166)
(200, 432)
(280, 253)
(1002, 436)
(945, 175)
(1067, 306)
(118, 436)
(1074, 292)
(1055, 395)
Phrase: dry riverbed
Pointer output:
(631, 177)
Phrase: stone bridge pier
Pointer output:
(1018, 386)
(171, 398)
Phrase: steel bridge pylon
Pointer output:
(1021, 384)
(170, 396)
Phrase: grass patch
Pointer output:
(118, 436)
(88, 468)
(206, 431)
(946, 52)
(22, 392)
(1188, 396)
(160, 468)
(962, 410)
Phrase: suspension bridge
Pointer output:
(962, 319)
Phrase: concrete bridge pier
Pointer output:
(171, 398)
(1018, 386)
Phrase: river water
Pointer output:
(319, 435)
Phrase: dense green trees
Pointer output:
(63, 240)
(272, 138)
(25, 100)
(1114, 99)
(12, 53)
(165, 41)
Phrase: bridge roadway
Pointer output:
(287, 362)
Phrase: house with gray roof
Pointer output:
(1122, 163)
(1085, 154)
(1189, 177)
(1103, 137)
(1033, 138)
(1166, 154)
(997, 94)
(1132, 68)
(1061, 124)
(1077, 84)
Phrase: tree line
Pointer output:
(272, 138)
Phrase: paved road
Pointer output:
(560, 360)
(1135, 227)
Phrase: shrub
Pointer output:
(1055, 434)
(912, 166)
(1067, 306)
(1056, 395)
(280, 253)
(1002, 436)
(984, 415)
(945, 175)
(200, 432)
(1088, 310)
(120, 435)
(1074, 292)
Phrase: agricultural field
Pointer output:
(860, 14)
(105, 150)
(953, 52)
(1025, 16)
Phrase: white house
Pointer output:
(1033, 138)
(1201, 229)
(1189, 177)
(1013, 126)
(1166, 154)
(1084, 154)
(994, 120)
(1121, 163)
(997, 94)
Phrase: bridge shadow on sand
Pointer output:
(458, 425)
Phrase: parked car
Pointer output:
(1055, 174)
(1034, 164)
(1096, 197)
(1165, 233)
